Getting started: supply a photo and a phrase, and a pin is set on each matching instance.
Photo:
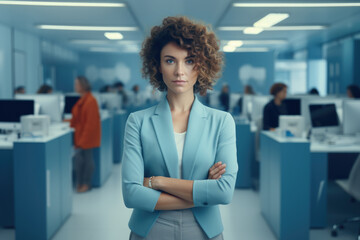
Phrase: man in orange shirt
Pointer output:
(87, 124)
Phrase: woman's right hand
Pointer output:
(217, 170)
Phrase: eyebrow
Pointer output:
(169, 56)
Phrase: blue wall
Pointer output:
(6, 87)
(256, 69)
(106, 68)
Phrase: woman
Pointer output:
(179, 160)
(87, 124)
(275, 107)
(353, 91)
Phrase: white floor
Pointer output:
(101, 214)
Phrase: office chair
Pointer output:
(352, 187)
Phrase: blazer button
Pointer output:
(205, 203)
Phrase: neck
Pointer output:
(277, 101)
(180, 102)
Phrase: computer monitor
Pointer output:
(12, 110)
(308, 100)
(70, 101)
(247, 105)
(323, 115)
(49, 104)
(293, 106)
(351, 117)
(293, 124)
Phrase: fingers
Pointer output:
(217, 170)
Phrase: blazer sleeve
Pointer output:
(213, 192)
(134, 193)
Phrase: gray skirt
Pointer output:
(176, 225)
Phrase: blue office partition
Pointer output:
(284, 186)
(42, 186)
(103, 155)
(118, 135)
(6, 188)
(245, 146)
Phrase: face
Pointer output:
(78, 87)
(349, 94)
(177, 69)
(282, 94)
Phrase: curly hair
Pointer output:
(276, 88)
(196, 38)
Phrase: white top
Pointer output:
(180, 140)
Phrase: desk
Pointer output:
(6, 184)
(42, 185)
(284, 185)
(119, 121)
(103, 155)
(319, 179)
(245, 144)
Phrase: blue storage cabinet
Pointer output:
(103, 155)
(42, 186)
(118, 135)
(284, 186)
(245, 144)
(6, 188)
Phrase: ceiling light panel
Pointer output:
(235, 43)
(297, 5)
(271, 19)
(62, 4)
(253, 30)
(229, 48)
(276, 28)
(113, 35)
(86, 28)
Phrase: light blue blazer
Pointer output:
(150, 150)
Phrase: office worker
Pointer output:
(20, 90)
(179, 160)
(353, 91)
(275, 107)
(87, 124)
(45, 89)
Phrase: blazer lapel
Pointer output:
(194, 132)
(164, 130)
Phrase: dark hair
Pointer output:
(193, 37)
(355, 90)
(118, 84)
(19, 89)
(84, 83)
(276, 88)
(314, 91)
(45, 89)
(249, 90)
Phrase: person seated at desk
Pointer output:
(275, 107)
(353, 91)
(45, 89)
(87, 124)
(20, 90)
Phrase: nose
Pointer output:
(179, 70)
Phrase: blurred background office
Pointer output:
(290, 67)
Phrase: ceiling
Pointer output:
(339, 22)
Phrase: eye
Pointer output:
(190, 61)
(169, 61)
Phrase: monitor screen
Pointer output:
(70, 101)
(351, 112)
(293, 106)
(323, 115)
(12, 110)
